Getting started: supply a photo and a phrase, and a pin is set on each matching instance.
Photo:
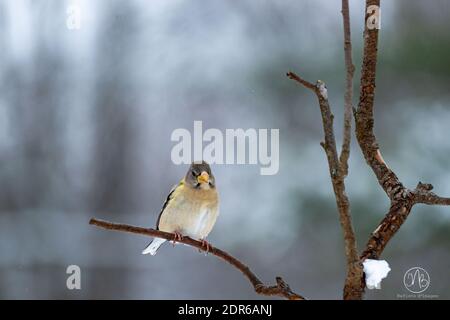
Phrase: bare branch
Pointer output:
(351, 290)
(354, 268)
(400, 209)
(281, 289)
(364, 115)
(432, 199)
(401, 206)
(423, 194)
(303, 82)
(402, 199)
(350, 70)
(390, 224)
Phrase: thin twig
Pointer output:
(350, 70)
(281, 289)
(355, 270)
(303, 82)
(423, 194)
(354, 267)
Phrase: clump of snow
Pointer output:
(322, 89)
(375, 270)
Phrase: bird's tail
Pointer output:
(153, 246)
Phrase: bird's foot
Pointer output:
(206, 245)
(177, 236)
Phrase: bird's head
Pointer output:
(199, 176)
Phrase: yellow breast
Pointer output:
(192, 212)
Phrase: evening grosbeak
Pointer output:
(191, 208)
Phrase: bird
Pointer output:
(191, 208)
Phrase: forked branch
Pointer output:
(402, 199)
(338, 172)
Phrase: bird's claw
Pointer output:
(176, 237)
(205, 244)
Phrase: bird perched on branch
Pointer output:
(191, 208)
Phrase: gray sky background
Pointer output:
(86, 118)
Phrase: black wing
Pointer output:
(169, 197)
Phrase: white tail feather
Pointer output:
(153, 246)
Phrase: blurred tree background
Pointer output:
(86, 117)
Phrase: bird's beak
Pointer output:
(203, 178)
